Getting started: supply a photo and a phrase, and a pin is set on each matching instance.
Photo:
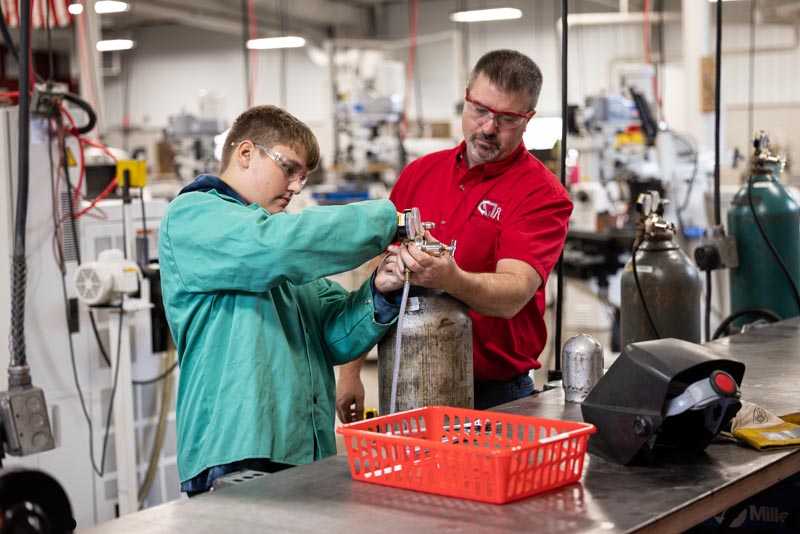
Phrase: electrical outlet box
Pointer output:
(716, 251)
(25, 421)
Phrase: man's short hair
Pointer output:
(270, 125)
(511, 72)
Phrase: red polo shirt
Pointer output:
(514, 208)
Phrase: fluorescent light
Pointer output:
(75, 9)
(115, 44)
(111, 6)
(479, 15)
(290, 41)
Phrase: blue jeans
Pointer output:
(489, 393)
(205, 480)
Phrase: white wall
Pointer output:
(171, 65)
(775, 92)
(168, 67)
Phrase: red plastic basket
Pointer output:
(470, 454)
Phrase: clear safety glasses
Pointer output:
(481, 113)
(293, 170)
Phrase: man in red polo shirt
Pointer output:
(509, 214)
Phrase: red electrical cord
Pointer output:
(85, 71)
(30, 53)
(647, 56)
(84, 141)
(111, 185)
(74, 131)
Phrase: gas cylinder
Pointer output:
(668, 280)
(759, 281)
(436, 354)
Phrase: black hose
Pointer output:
(146, 259)
(84, 105)
(650, 320)
(717, 97)
(155, 379)
(763, 312)
(772, 248)
(708, 305)
(560, 264)
(19, 266)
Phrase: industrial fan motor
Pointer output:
(103, 281)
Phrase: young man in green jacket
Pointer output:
(257, 327)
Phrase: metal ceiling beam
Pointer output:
(188, 17)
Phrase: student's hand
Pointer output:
(389, 275)
(350, 398)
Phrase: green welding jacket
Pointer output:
(256, 326)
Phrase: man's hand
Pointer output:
(350, 395)
(427, 270)
(502, 293)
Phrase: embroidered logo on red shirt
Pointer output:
(490, 209)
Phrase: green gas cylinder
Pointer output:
(759, 281)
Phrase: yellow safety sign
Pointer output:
(70, 158)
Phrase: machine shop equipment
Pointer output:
(102, 281)
(191, 139)
(660, 287)
(765, 222)
(426, 358)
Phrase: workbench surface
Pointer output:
(322, 497)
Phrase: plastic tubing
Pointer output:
(398, 343)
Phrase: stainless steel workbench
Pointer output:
(321, 497)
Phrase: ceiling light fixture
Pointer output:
(481, 15)
(75, 9)
(115, 44)
(103, 7)
(289, 41)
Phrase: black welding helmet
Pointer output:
(661, 394)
